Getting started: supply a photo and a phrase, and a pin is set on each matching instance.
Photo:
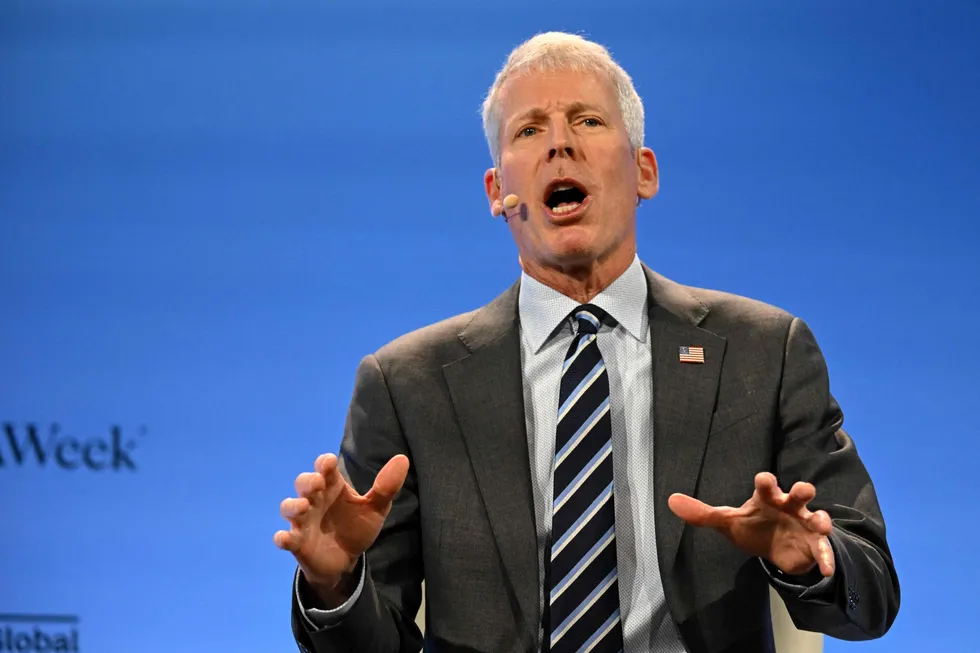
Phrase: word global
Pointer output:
(27, 446)
(38, 641)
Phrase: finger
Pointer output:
(697, 513)
(388, 483)
(332, 483)
(799, 495)
(325, 464)
(819, 522)
(294, 510)
(767, 489)
(823, 553)
(309, 483)
(286, 541)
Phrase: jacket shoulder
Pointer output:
(452, 338)
(432, 345)
(731, 313)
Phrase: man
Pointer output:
(558, 465)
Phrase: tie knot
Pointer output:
(589, 318)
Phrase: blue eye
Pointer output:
(591, 122)
(528, 131)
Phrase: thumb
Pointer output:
(694, 512)
(388, 483)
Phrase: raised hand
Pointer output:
(331, 525)
(772, 524)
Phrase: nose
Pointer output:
(562, 145)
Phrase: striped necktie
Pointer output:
(584, 599)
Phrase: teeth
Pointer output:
(564, 187)
(565, 208)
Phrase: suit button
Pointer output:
(853, 598)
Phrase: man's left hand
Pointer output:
(772, 524)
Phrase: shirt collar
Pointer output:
(542, 308)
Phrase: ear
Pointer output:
(648, 176)
(491, 183)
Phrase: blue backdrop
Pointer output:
(193, 194)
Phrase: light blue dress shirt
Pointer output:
(547, 330)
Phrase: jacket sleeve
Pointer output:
(813, 447)
(382, 618)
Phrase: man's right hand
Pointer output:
(331, 525)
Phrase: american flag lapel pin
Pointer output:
(692, 354)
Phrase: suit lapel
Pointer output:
(487, 392)
(683, 401)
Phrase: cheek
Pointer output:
(513, 185)
(514, 173)
(619, 192)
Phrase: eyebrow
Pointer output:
(573, 108)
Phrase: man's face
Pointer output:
(565, 152)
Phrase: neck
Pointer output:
(582, 280)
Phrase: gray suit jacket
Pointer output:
(449, 396)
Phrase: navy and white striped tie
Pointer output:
(584, 599)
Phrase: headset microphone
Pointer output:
(510, 202)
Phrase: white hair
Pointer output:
(553, 51)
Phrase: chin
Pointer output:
(574, 256)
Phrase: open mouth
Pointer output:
(564, 197)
